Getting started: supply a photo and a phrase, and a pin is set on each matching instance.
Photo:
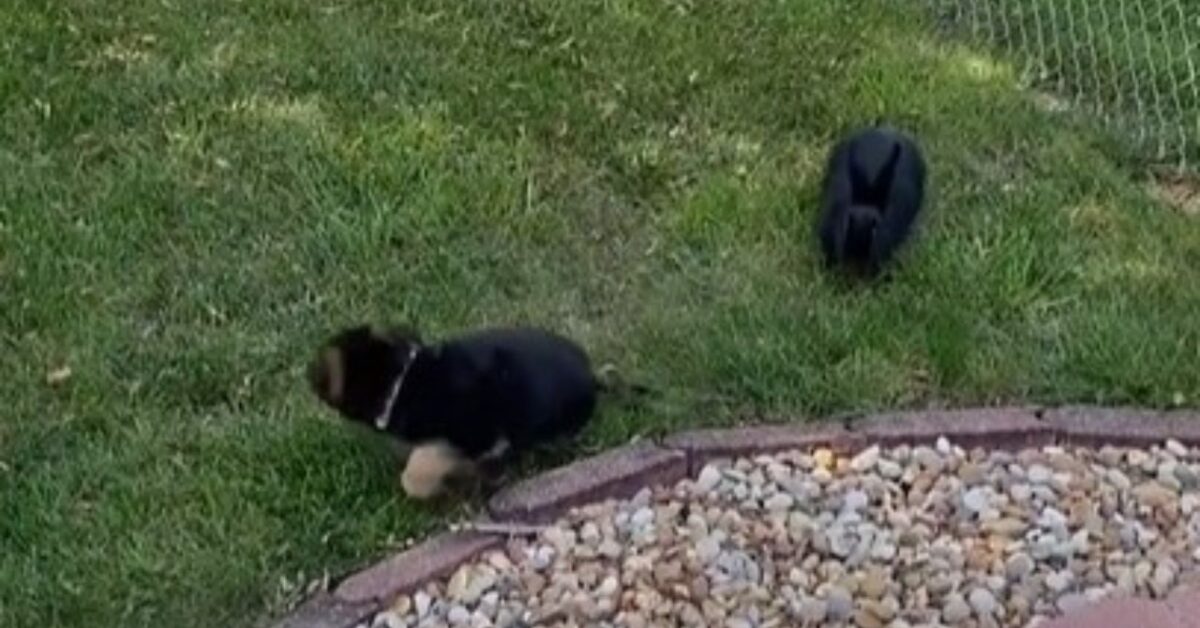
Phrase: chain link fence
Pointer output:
(1134, 63)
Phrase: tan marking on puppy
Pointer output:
(427, 469)
(335, 374)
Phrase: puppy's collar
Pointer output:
(385, 417)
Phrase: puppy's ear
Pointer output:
(327, 375)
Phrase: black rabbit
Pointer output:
(874, 187)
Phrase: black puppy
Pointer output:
(466, 402)
(873, 189)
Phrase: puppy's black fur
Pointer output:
(481, 394)
(874, 188)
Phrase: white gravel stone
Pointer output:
(1039, 474)
(865, 460)
(855, 501)
(422, 603)
(708, 480)
(976, 500)
(955, 609)
(1059, 581)
(839, 603)
(779, 502)
(1019, 566)
(983, 602)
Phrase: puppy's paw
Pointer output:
(419, 486)
(428, 468)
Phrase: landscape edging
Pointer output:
(621, 472)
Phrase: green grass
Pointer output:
(192, 194)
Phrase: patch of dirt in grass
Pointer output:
(1180, 191)
(1052, 103)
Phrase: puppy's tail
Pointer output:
(609, 381)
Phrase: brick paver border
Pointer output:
(621, 472)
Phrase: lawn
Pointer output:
(193, 194)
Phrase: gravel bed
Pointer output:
(911, 536)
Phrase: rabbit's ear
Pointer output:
(859, 186)
(883, 182)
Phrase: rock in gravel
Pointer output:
(890, 538)
(708, 548)
(388, 619)
(982, 601)
(1154, 495)
(708, 480)
(1008, 527)
(1039, 474)
(1019, 566)
(854, 501)
(839, 604)
(865, 460)
(813, 611)
(1188, 476)
(1059, 581)
(779, 502)
(823, 459)
(470, 582)
(589, 534)
(874, 584)
(955, 609)
(422, 603)
(1071, 602)
(976, 500)
(1164, 577)
(890, 470)
(883, 610)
